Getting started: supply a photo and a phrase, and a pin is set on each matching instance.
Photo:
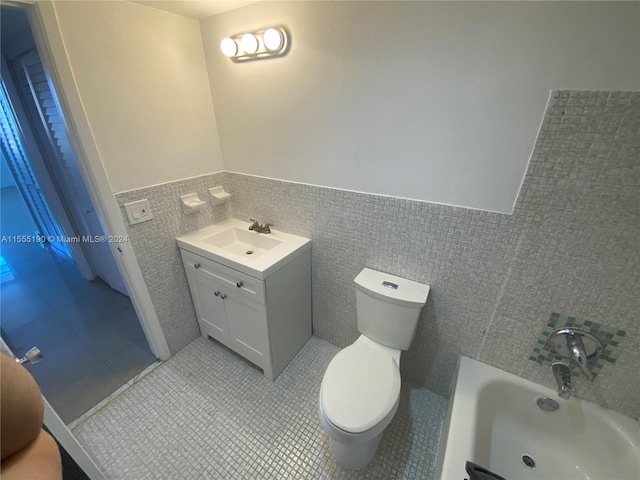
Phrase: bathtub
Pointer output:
(494, 421)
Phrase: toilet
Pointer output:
(360, 389)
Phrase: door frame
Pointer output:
(62, 433)
(51, 47)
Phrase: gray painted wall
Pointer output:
(434, 101)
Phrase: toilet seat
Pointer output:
(360, 388)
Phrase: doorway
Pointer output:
(59, 291)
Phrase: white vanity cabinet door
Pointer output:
(248, 329)
(210, 309)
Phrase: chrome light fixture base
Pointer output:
(267, 43)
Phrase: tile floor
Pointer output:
(88, 333)
(207, 413)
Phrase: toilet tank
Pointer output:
(389, 307)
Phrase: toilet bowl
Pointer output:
(360, 390)
(359, 397)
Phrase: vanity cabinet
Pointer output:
(266, 321)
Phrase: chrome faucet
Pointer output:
(256, 227)
(562, 375)
(578, 345)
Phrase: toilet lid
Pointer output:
(360, 388)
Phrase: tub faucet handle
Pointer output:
(577, 345)
(577, 350)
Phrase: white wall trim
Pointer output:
(317, 186)
(167, 183)
(320, 186)
(50, 43)
(371, 193)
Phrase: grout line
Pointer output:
(503, 287)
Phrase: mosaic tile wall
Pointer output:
(579, 211)
(462, 254)
(609, 337)
(154, 243)
(571, 246)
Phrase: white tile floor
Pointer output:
(88, 333)
(207, 413)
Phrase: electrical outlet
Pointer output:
(138, 211)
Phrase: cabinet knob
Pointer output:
(217, 294)
(223, 296)
(196, 265)
(239, 284)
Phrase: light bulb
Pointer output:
(272, 39)
(229, 47)
(249, 43)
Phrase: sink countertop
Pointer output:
(258, 267)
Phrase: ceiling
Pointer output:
(197, 9)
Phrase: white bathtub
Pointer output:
(493, 421)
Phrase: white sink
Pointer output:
(231, 243)
(242, 242)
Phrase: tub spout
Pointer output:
(562, 375)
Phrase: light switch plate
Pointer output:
(138, 211)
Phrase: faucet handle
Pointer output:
(578, 345)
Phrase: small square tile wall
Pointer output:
(579, 243)
(609, 337)
(572, 245)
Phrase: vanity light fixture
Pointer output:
(249, 43)
(272, 39)
(270, 42)
(229, 47)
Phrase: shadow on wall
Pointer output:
(424, 350)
